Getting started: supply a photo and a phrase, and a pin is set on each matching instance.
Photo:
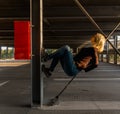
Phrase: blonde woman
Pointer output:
(86, 59)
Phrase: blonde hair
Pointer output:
(98, 41)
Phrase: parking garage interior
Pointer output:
(52, 24)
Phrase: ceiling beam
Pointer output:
(75, 11)
(53, 3)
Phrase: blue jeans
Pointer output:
(65, 57)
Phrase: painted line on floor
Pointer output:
(109, 70)
(3, 83)
(88, 79)
(85, 105)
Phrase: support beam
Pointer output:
(107, 52)
(64, 11)
(0, 52)
(96, 25)
(79, 25)
(37, 35)
(115, 54)
(102, 57)
(13, 18)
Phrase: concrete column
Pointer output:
(36, 11)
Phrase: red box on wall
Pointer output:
(22, 40)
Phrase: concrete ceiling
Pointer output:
(64, 22)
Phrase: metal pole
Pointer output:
(107, 51)
(0, 52)
(96, 25)
(113, 31)
(41, 46)
(115, 54)
(36, 18)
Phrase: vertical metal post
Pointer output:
(36, 18)
(115, 54)
(6, 54)
(102, 57)
(107, 52)
(41, 46)
(0, 52)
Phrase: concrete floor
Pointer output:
(95, 92)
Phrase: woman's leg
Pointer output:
(67, 62)
(58, 55)
(68, 65)
(48, 71)
(65, 56)
(55, 59)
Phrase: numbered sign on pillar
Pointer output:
(22, 40)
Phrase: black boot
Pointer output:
(46, 71)
(44, 58)
(44, 55)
